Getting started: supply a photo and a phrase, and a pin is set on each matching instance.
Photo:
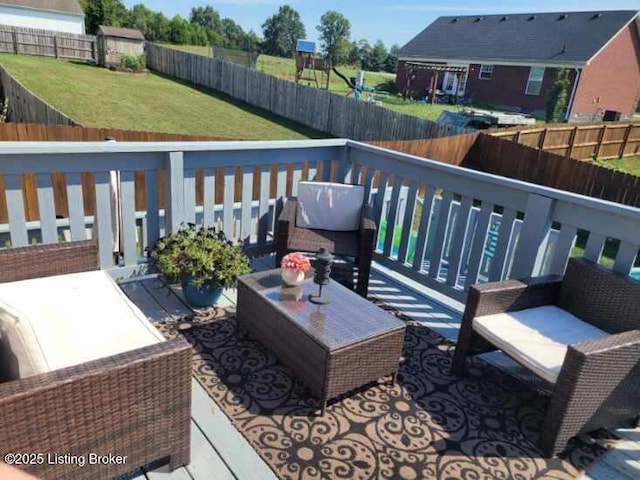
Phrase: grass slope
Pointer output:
(97, 97)
(627, 164)
(285, 68)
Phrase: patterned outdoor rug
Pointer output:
(430, 425)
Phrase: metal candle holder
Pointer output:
(323, 269)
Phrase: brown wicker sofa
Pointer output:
(598, 384)
(135, 404)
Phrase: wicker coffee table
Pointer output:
(333, 348)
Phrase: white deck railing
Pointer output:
(450, 210)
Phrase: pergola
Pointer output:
(410, 67)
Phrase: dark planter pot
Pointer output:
(200, 297)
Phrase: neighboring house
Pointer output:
(115, 42)
(57, 15)
(511, 60)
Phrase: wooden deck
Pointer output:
(219, 451)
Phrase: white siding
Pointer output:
(29, 18)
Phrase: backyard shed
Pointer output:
(115, 43)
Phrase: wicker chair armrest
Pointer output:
(367, 222)
(599, 384)
(137, 404)
(619, 341)
(512, 295)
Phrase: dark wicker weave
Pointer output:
(352, 343)
(358, 244)
(599, 383)
(136, 404)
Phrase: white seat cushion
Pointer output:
(329, 206)
(64, 320)
(536, 337)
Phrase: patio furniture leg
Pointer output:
(180, 458)
(394, 377)
(323, 406)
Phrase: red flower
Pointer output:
(296, 261)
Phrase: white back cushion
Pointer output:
(329, 206)
(536, 337)
(55, 322)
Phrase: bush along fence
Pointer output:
(25, 106)
(33, 41)
(602, 141)
(318, 109)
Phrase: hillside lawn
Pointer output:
(285, 68)
(97, 97)
(627, 164)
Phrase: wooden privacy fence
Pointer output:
(47, 43)
(318, 109)
(603, 141)
(25, 106)
(499, 156)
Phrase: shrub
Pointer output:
(135, 63)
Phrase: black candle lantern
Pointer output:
(323, 269)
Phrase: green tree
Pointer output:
(198, 35)
(364, 52)
(379, 56)
(104, 12)
(335, 30)
(232, 35)
(209, 19)
(281, 31)
(391, 62)
(140, 18)
(353, 58)
(557, 99)
(159, 28)
(254, 42)
(179, 31)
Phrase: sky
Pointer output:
(392, 21)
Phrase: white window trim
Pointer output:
(482, 67)
(534, 80)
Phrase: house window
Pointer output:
(534, 84)
(485, 72)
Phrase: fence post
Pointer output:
(600, 140)
(55, 46)
(532, 242)
(174, 197)
(15, 42)
(542, 139)
(625, 140)
(572, 141)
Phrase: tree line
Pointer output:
(280, 32)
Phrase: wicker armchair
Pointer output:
(598, 384)
(358, 244)
(136, 404)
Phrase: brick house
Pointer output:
(510, 61)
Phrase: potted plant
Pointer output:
(203, 260)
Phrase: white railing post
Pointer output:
(531, 244)
(174, 197)
(343, 172)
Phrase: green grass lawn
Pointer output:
(285, 68)
(97, 97)
(627, 164)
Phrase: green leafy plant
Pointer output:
(203, 254)
(557, 99)
(134, 62)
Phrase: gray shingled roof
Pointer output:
(531, 37)
(63, 6)
(121, 32)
